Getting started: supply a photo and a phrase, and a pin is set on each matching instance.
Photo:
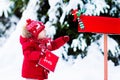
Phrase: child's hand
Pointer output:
(60, 41)
(66, 38)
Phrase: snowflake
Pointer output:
(5, 7)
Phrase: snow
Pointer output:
(79, 43)
(112, 46)
(66, 8)
(95, 7)
(115, 8)
(50, 30)
(89, 68)
(5, 7)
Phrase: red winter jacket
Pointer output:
(33, 50)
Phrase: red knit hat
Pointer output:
(34, 27)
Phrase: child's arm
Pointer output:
(57, 43)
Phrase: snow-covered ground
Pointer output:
(89, 68)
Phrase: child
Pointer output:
(34, 44)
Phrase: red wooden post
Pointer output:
(105, 58)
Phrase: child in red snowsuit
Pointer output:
(34, 44)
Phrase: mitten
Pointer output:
(66, 38)
(57, 43)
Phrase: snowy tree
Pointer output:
(56, 14)
(8, 20)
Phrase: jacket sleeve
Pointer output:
(57, 43)
(29, 52)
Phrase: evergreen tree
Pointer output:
(56, 14)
